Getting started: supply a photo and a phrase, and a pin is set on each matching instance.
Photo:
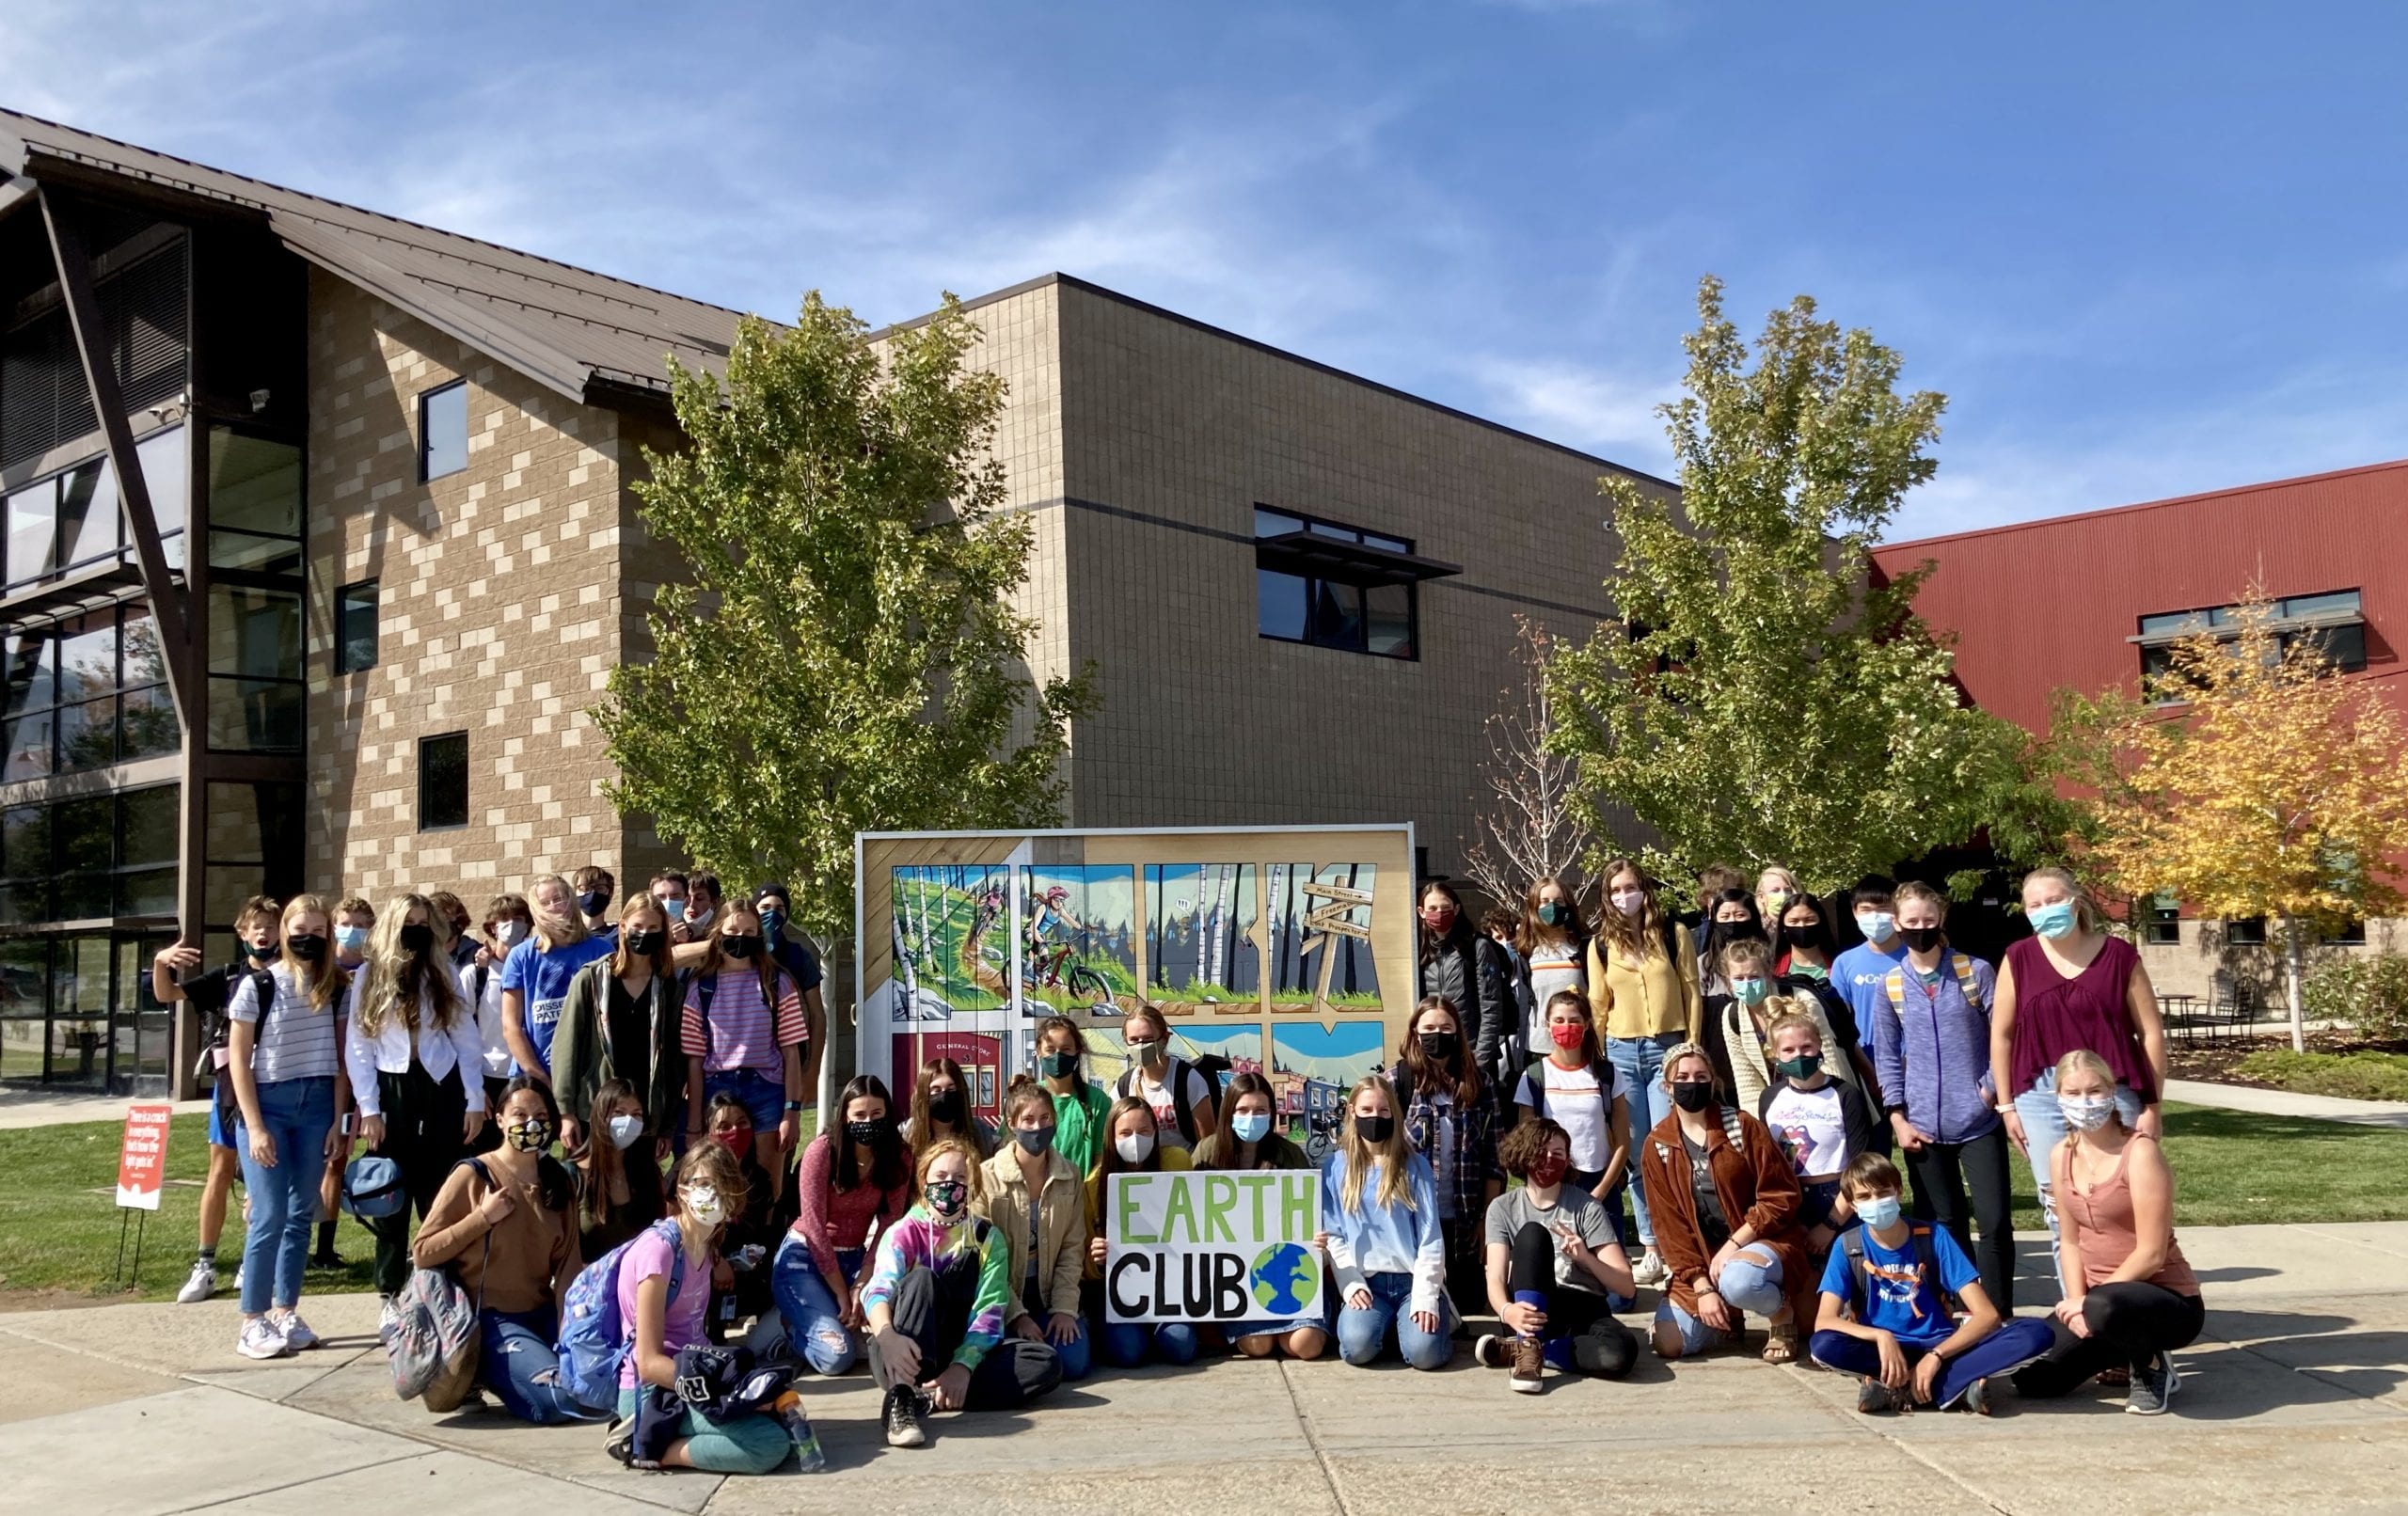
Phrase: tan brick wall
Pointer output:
(498, 611)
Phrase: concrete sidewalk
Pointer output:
(22, 1107)
(2287, 1103)
(2295, 1400)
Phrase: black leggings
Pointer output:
(1466, 1239)
(933, 1310)
(1942, 1173)
(423, 1118)
(2130, 1324)
(1595, 1343)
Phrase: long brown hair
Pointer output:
(1533, 931)
(1107, 1153)
(765, 964)
(1463, 1087)
(1220, 1151)
(1634, 936)
(623, 960)
(605, 1163)
(924, 1130)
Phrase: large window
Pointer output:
(2332, 622)
(355, 628)
(91, 858)
(85, 692)
(72, 519)
(253, 503)
(443, 431)
(1334, 585)
(2246, 931)
(257, 677)
(443, 782)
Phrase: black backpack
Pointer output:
(1182, 1104)
(1602, 1071)
(1926, 1261)
(229, 1109)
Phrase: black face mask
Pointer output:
(270, 952)
(1693, 1094)
(1803, 936)
(739, 948)
(945, 1106)
(872, 1134)
(1440, 1046)
(1375, 1130)
(593, 901)
(306, 949)
(417, 938)
(645, 944)
(1921, 939)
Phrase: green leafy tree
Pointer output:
(1759, 699)
(842, 657)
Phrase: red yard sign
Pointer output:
(142, 1159)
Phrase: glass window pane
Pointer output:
(147, 725)
(1281, 607)
(248, 550)
(146, 892)
(443, 781)
(82, 985)
(84, 832)
(1344, 534)
(2319, 605)
(1274, 523)
(1387, 610)
(255, 632)
(1337, 615)
(151, 819)
(443, 431)
(26, 900)
(143, 662)
(166, 476)
(27, 741)
(1394, 544)
(87, 513)
(87, 734)
(24, 977)
(355, 628)
(86, 655)
(253, 485)
(2174, 622)
(255, 715)
(31, 685)
(33, 531)
(24, 842)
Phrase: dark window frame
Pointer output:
(1356, 636)
(113, 877)
(2161, 920)
(344, 598)
(425, 748)
(2156, 655)
(2245, 931)
(426, 431)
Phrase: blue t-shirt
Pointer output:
(1856, 974)
(542, 978)
(1902, 1303)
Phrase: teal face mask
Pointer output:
(2051, 921)
(1749, 991)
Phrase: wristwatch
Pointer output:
(793, 1105)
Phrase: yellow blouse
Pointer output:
(1648, 997)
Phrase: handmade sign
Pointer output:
(1213, 1247)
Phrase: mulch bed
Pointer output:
(2214, 1061)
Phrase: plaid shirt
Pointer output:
(1463, 1175)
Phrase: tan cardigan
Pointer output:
(1649, 997)
(1061, 1224)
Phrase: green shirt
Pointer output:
(1078, 1125)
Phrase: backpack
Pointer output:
(1182, 1102)
(706, 985)
(1926, 1261)
(229, 1109)
(594, 1340)
(1893, 984)
(1602, 1071)
(431, 1347)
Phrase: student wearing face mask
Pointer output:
(1931, 1043)
(1777, 888)
(1822, 1120)
(1174, 1089)
(1246, 1143)
(355, 919)
(854, 1179)
(1803, 969)
(744, 1036)
(1551, 946)
(741, 1274)
(1884, 1312)
(1730, 917)
(507, 923)
(1857, 974)
(1556, 1269)
(936, 1302)
(619, 1188)
(416, 1071)
(1586, 1095)
(1388, 1256)
(1035, 1200)
(1451, 1118)
(595, 888)
(775, 904)
(1079, 1108)
(1451, 967)
(623, 1018)
(506, 1222)
(1741, 1022)
(668, 888)
(536, 976)
(1501, 933)
(1726, 1203)
(940, 1109)
(1644, 996)
(1130, 1145)
(2071, 987)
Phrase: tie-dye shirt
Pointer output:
(969, 1257)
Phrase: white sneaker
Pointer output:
(202, 1283)
(260, 1339)
(1650, 1269)
(238, 1279)
(297, 1334)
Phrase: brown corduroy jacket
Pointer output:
(1758, 1188)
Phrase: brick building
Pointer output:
(409, 455)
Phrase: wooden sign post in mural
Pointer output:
(1285, 951)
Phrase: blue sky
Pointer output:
(2145, 249)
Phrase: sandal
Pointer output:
(1781, 1343)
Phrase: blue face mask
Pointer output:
(1875, 925)
(772, 923)
(674, 907)
(1251, 1126)
(1749, 991)
(1880, 1212)
(351, 938)
(2051, 921)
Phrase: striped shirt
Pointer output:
(742, 1032)
(299, 1041)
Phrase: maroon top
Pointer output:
(2054, 1015)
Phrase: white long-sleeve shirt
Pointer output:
(440, 1049)
(1384, 1240)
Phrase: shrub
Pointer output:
(2352, 1076)
(2367, 993)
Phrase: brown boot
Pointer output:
(1530, 1365)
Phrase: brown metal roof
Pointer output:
(583, 334)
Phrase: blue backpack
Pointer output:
(595, 1341)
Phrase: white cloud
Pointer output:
(1608, 413)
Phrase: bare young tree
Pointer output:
(1526, 827)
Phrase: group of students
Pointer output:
(666, 1054)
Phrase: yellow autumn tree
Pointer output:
(2253, 782)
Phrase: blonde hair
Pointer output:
(1789, 880)
(1394, 1155)
(565, 929)
(2082, 1061)
(1917, 890)
(1789, 1016)
(969, 1156)
(325, 981)
(1686, 1051)
(1744, 950)
(2086, 915)
(390, 987)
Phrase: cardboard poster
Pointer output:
(1214, 1247)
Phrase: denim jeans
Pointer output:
(1126, 1344)
(763, 1098)
(1751, 1282)
(1363, 1330)
(296, 1113)
(516, 1362)
(1078, 1354)
(1640, 1060)
(2044, 1128)
(808, 1308)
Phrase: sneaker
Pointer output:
(202, 1283)
(297, 1334)
(1530, 1365)
(2152, 1386)
(807, 1453)
(619, 1442)
(1976, 1398)
(905, 1409)
(1872, 1396)
(391, 1313)
(325, 1259)
(1489, 1351)
(260, 1339)
(1650, 1269)
(238, 1279)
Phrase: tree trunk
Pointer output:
(2294, 955)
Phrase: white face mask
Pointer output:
(704, 1204)
(625, 1131)
(700, 919)
(510, 933)
(1630, 902)
(1135, 1147)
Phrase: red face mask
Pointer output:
(1439, 919)
(1549, 1170)
(736, 1140)
(1567, 1036)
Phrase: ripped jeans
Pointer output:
(516, 1362)
(814, 1329)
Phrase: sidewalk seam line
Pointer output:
(1870, 1427)
(1312, 1441)
(296, 1484)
